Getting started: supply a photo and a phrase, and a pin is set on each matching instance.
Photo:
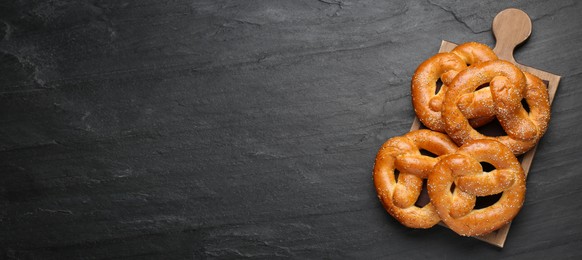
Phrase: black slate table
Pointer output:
(248, 129)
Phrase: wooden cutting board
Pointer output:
(511, 27)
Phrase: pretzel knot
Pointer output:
(508, 86)
(463, 173)
(428, 102)
(399, 171)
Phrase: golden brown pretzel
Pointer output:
(508, 86)
(402, 154)
(445, 66)
(463, 169)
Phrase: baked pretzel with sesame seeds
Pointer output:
(400, 169)
(508, 86)
(463, 173)
(428, 102)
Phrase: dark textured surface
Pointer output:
(235, 129)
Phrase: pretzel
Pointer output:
(463, 171)
(509, 85)
(402, 154)
(445, 66)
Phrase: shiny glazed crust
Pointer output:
(509, 85)
(445, 66)
(402, 153)
(456, 209)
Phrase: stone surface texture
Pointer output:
(248, 129)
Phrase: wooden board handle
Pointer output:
(510, 27)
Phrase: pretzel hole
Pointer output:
(439, 84)
(486, 201)
(492, 129)
(428, 153)
(396, 174)
(482, 86)
(487, 167)
(423, 197)
(452, 189)
(525, 105)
